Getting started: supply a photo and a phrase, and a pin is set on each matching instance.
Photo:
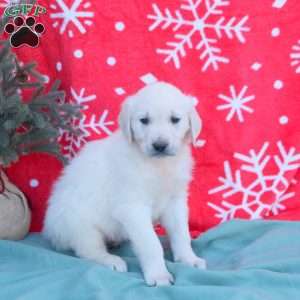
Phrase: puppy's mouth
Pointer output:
(162, 154)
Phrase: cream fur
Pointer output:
(117, 187)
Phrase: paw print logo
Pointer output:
(24, 31)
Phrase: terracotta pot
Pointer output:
(15, 215)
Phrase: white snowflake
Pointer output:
(236, 103)
(266, 193)
(80, 98)
(295, 57)
(71, 15)
(97, 124)
(196, 31)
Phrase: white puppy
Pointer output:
(116, 188)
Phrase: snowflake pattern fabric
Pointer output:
(241, 62)
(266, 193)
(71, 16)
(200, 25)
(295, 57)
(85, 127)
(236, 103)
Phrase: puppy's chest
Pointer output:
(166, 188)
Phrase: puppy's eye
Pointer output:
(145, 121)
(175, 120)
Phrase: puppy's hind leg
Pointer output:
(91, 245)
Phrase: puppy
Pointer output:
(118, 187)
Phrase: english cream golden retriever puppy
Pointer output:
(118, 187)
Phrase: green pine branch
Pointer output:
(30, 125)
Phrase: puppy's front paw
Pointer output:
(114, 262)
(193, 261)
(159, 278)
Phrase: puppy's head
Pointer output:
(159, 118)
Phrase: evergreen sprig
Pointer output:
(34, 124)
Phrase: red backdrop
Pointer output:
(242, 62)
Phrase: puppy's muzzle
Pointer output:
(160, 147)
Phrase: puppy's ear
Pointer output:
(195, 121)
(125, 119)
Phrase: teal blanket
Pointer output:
(246, 260)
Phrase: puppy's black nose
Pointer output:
(160, 146)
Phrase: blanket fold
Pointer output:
(246, 260)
